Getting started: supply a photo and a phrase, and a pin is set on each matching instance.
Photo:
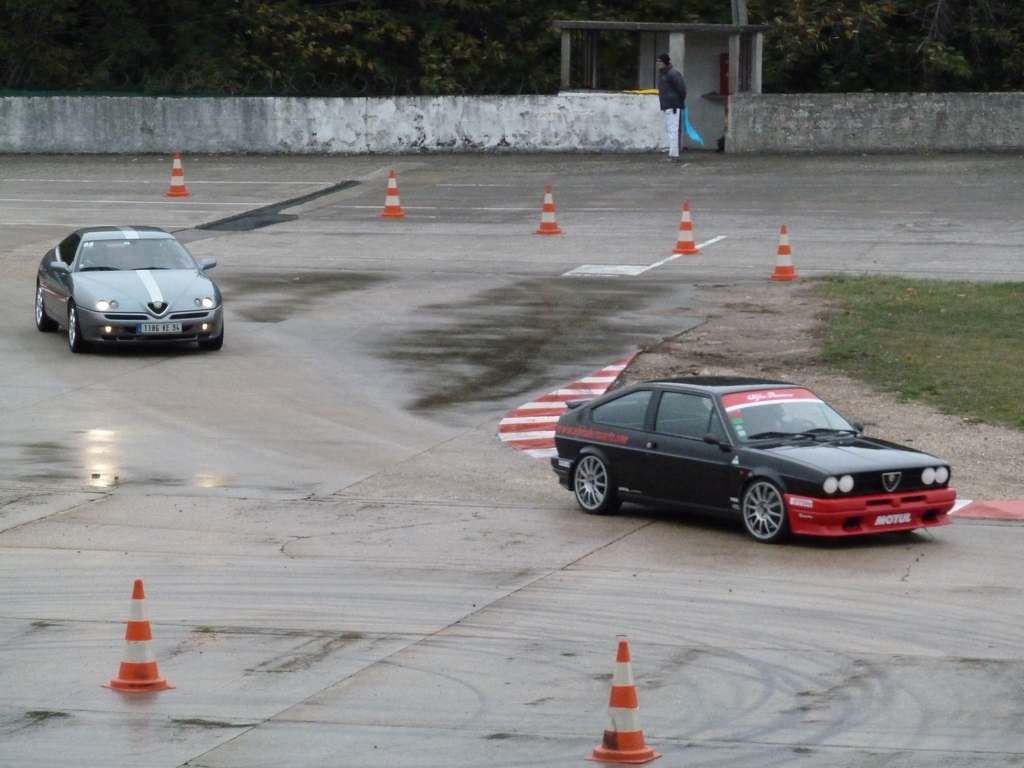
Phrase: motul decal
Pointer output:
(902, 517)
(592, 434)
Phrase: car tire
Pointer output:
(764, 512)
(593, 486)
(214, 343)
(44, 322)
(76, 343)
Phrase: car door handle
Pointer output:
(652, 445)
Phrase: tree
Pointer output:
(383, 47)
(891, 45)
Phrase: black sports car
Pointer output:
(127, 285)
(771, 453)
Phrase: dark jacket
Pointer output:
(671, 88)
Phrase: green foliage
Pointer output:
(892, 45)
(383, 47)
(956, 345)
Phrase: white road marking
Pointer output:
(698, 246)
(161, 183)
(600, 269)
(65, 201)
(631, 270)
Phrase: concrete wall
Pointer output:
(876, 122)
(595, 122)
(569, 122)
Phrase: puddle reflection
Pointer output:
(100, 446)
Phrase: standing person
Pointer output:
(672, 99)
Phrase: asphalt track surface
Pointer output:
(345, 564)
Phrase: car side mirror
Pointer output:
(61, 267)
(207, 264)
(710, 439)
(859, 426)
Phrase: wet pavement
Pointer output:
(343, 561)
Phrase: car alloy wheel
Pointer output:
(592, 484)
(43, 321)
(764, 512)
(75, 340)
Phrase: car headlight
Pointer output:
(103, 305)
(937, 475)
(205, 303)
(833, 484)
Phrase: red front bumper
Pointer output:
(869, 514)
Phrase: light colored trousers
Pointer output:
(672, 120)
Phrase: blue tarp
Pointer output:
(689, 128)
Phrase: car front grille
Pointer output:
(870, 483)
(120, 317)
(912, 499)
(163, 338)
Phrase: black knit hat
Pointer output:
(664, 59)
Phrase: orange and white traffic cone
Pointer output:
(623, 740)
(548, 226)
(177, 188)
(784, 260)
(684, 244)
(392, 205)
(138, 670)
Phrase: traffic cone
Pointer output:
(177, 188)
(623, 740)
(784, 261)
(138, 670)
(392, 205)
(547, 215)
(684, 244)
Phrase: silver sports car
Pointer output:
(127, 285)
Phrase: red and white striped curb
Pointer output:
(999, 509)
(531, 428)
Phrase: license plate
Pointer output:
(158, 328)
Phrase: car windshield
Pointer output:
(115, 255)
(780, 413)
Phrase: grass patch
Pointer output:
(958, 346)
